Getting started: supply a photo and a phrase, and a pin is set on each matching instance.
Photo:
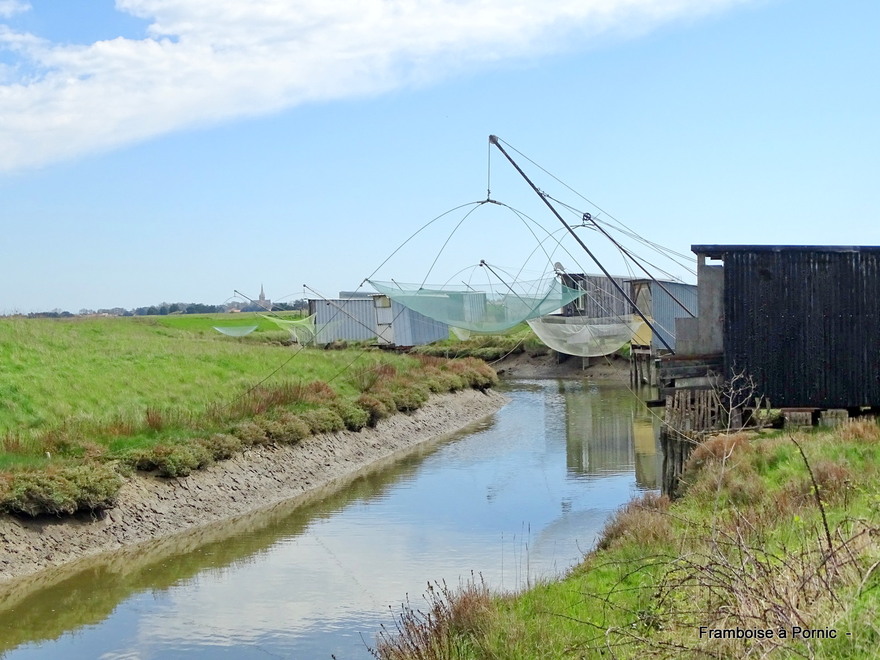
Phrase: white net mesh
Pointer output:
(585, 337)
(235, 330)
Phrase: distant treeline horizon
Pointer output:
(163, 309)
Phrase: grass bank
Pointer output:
(85, 401)
(490, 348)
(773, 551)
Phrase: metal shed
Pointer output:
(600, 298)
(364, 316)
(659, 304)
(803, 321)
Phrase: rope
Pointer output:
(632, 234)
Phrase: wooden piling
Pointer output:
(690, 415)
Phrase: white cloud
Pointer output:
(9, 8)
(206, 61)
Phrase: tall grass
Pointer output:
(774, 533)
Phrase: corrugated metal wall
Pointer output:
(600, 300)
(357, 319)
(414, 329)
(348, 320)
(664, 310)
(805, 323)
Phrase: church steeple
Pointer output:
(262, 301)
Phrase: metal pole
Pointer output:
(494, 140)
(669, 293)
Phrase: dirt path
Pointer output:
(152, 508)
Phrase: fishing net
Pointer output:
(583, 337)
(490, 311)
(302, 331)
(235, 330)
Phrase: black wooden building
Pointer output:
(802, 321)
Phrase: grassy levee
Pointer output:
(490, 348)
(774, 533)
(85, 401)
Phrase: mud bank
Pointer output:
(523, 365)
(151, 508)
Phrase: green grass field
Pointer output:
(60, 371)
(171, 394)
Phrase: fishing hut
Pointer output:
(661, 301)
(600, 297)
(362, 316)
(795, 327)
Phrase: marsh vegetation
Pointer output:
(85, 401)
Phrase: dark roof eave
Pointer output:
(718, 251)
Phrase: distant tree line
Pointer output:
(164, 309)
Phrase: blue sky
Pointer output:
(178, 150)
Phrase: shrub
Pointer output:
(323, 420)
(61, 490)
(735, 482)
(409, 396)
(641, 521)
(832, 477)
(353, 416)
(479, 375)
(718, 448)
(374, 408)
(59, 443)
(250, 433)
(275, 431)
(172, 460)
(222, 445)
(385, 397)
(294, 428)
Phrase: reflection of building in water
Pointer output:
(649, 460)
(608, 430)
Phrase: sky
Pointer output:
(187, 150)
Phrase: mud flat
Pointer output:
(152, 509)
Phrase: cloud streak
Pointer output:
(208, 61)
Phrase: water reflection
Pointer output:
(609, 431)
(515, 498)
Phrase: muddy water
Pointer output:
(514, 498)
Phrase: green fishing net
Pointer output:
(302, 331)
(490, 310)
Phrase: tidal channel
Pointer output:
(517, 497)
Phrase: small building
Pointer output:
(356, 316)
(803, 322)
(661, 301)
(600, 298)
